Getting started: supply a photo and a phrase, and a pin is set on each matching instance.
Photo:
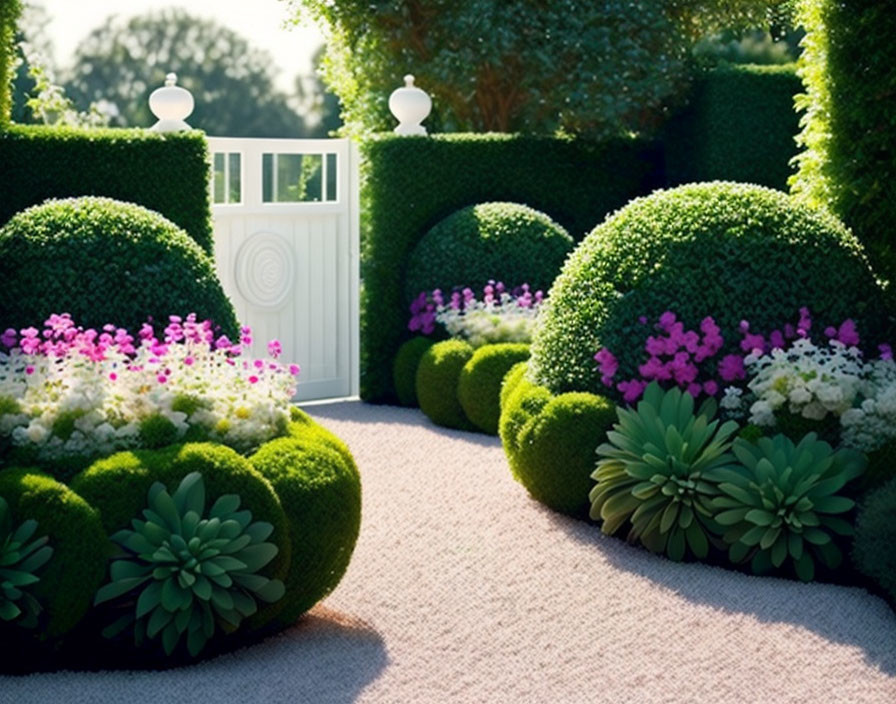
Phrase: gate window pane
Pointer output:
(227, 180)
(331, 178)
(292, 178)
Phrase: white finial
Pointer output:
(411, 106)
(172, 105)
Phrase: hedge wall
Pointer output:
(412, 183)
(740, 125)
(849, 126)
(168, 174)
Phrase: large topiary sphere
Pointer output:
(320, 489)
(727, 250)
(437, 376)
(69, 579)
(104, 261)
(505, 242)
(873, 552)
(404, 368)
(551, 441)
(479, 387)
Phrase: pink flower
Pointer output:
(113, 376)
(8, 338)
(886, 351)
(732, 367)
(253, 379)
(752, 342)
(188, 361)
(711, 388)
(847, 334)
(631, 390)
(259, 364)
(275, 349)
(29, 370)
(294, 369)
(776, 340)
(161, 378)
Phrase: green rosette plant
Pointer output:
(782, 503)
(660, 471)
(20, 559)
(183, 573)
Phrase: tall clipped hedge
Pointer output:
(848, 66)
(9, 14)
(740, 125)
(168, 174)
(412, 183)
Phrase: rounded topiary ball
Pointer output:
(80, 547)
(118, 486)
(437, 376)
(479, 387)
(320, 489)
(105, 261)
(727, 250)
(505, 242)
(875, 536)
(404, 368)
(551, 441)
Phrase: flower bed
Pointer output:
(201, 509)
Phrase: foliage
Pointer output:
(436, 382)
(123, 61)
(186, 573)
(21, 557)
(80, 551)
(91, 393)
(660, 471)
(550, 441)
(875, 535)
(320, 489)
(784, 506)
(848, 125)
(9, 15)
(107, 261)
(479, 386)
(167, 173)
(881, 466)
(739, 125)
(573, 66)
(735, 250)
(404, 368)
(484, 243)
(411, 184)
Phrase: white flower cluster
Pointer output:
(484, 322)
(68, 405)
(817, 382)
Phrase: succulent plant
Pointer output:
(19, 562)
(660, 471)
(782, 503)
(184, 574)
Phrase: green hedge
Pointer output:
(849, 128)
(740, 125)
(410, 184)
(167, 174)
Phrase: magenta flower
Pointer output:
(8, 338)
(732, 367)
(253, 379)
(275, 349)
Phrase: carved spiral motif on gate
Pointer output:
(265, 269)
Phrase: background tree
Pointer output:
(9, 15)
(542, 66)
(122, 62)
(319, 106)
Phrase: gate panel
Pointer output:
(286, 246)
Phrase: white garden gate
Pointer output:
(286, 224)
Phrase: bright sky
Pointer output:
(260, 21)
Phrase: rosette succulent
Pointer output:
(782, 503)
(20, 559)
(184, 573)
(660, 471)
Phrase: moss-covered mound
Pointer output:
(873, 551)
(320, 490)
(437, 377)
(404, 368)
(731, 251)
(69, 579)
(105, 261)
(505, 242)
(479, 386)
(550, 441)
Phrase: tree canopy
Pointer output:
(541, 66)
(122, 62)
